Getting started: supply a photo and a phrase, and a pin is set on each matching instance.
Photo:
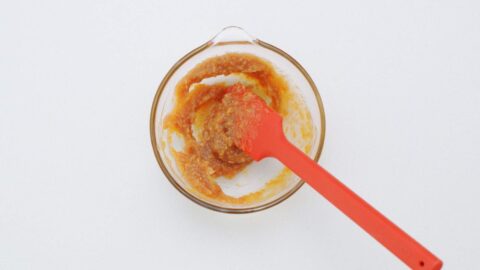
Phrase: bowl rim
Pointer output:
(153, 136)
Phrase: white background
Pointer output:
(79, 184)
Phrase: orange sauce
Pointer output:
(200, 118)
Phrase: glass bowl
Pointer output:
(234, 39)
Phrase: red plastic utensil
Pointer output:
(259, 133)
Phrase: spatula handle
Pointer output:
(372, 221)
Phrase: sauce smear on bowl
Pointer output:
(203, 116)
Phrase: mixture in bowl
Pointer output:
(201, 117)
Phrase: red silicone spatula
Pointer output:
(258, 132)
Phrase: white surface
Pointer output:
(79, 185)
